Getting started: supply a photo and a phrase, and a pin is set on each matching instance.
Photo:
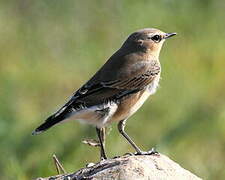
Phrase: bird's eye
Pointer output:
(156, 38)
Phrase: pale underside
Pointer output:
(103, 114)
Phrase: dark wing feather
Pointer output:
(137, 82)
(98, 91)
(139, 76)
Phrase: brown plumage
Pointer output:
(119, 88)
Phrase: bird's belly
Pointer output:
(130, 105)
(139, 103)
(96, 115)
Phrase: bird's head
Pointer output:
(148, 40)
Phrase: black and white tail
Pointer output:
(59, 116)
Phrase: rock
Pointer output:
(142, 167)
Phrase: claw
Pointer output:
(151, 152)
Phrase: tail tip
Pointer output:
(36, 132)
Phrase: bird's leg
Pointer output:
(121, 127)
(101, 137)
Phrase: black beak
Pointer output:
(168, 35)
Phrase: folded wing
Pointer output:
(93, 93)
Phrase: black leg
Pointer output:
(121, 126)
(101, 137)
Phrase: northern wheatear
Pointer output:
(119, 88)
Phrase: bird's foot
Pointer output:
(103, 159)
(151, 152)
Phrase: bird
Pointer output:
(118, 89)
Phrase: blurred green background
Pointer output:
(49, 48)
